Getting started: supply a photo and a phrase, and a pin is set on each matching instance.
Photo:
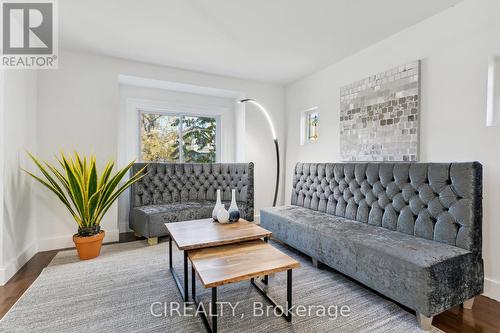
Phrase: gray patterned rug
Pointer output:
(129, 289)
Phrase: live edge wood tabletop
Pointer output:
(237, 262)
(204, 233)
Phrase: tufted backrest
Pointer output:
(167, 183)
(437, 201)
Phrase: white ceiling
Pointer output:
(266, 40)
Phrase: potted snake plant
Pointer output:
(85, 193)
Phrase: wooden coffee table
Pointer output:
(205, 233)
(217, 266)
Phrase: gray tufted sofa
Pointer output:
(409, 231)
(173, 192)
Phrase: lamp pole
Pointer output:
(275, 138)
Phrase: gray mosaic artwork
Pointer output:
(379, 116)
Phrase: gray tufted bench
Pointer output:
(409, 231)
(173, 192)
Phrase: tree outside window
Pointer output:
(178, 138)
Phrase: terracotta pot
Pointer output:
(89, 247)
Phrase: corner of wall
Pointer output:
(9, 269)
(2, 76)
(18, 92)
(492, 288)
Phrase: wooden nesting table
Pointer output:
(220, 265)
(227, 253)
(206, 233)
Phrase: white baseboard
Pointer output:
(123, 226)
(14, 265)
(63, 242)
(492, 288)
(46, 244)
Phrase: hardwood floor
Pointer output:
(17, 285)
(483, 318)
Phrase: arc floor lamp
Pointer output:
(273, 131)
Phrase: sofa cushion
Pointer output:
(149, 220)
(408, 269)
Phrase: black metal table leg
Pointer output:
(170, 252)
(193, 283)
(286, 314)
(184, 290)
(213, 310)
(186, 280)
(265, 280)
(288, 295)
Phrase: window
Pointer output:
(493, 104)
(309, 125)
(166, 137)
(312, 125)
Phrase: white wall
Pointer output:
(17, 223)
(78, 109)
(454, 46)
(2, 128)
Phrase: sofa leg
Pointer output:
(469, 303)
(425, 323)
(316, 263)
(153, 240)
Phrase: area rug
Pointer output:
(129, 289)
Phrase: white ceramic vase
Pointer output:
(218, 206)
(234, 212)
(223, 215)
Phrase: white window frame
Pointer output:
(493, 103)
(304, 126)
(185, 112)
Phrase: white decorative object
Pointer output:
(223, 215)
(234, 212)
(218, 206)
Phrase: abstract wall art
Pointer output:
(379, 116)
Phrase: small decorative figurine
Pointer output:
(234, 212)
(218, 206)
(223, 215)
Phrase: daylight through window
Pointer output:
(177, 138)
(312, 122)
